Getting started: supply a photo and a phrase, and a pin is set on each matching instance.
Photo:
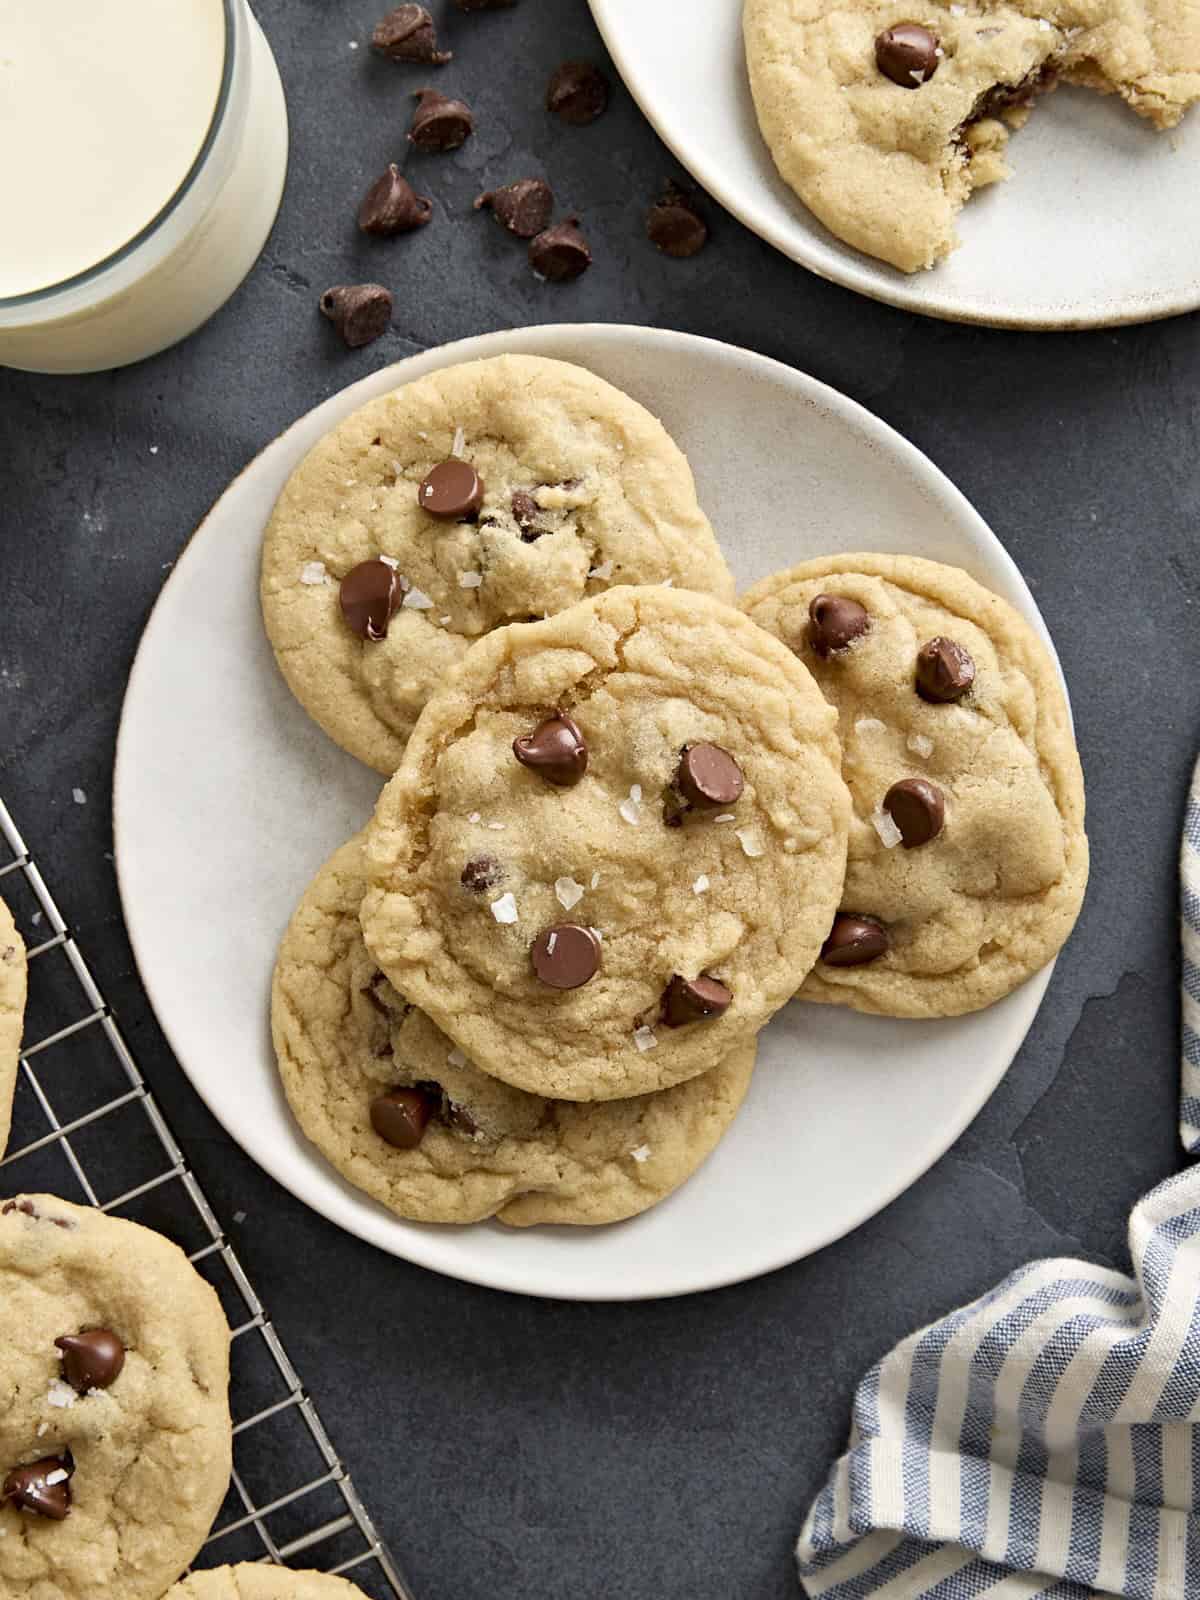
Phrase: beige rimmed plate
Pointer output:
(1100, 223)
(228, 799)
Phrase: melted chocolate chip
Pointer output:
(560, 253)
(854, 940)
(524, 207)
(556, 750)
(391, 205)
(407, 34)
(440, 123)
(1002, 97)
(526, 511)
(93, 1359)
(834, 622)
(709, 778)
(370, 993)
(27, 1209)
(360, 312)
(577, 92)
(401, 1116)
(945, 671)
(28, 1489)
(918, 808)
(566, 956)
(453, 491)
(370, 595)
(675, 225)
(907, 54)
(485, 872)
(694, 1000)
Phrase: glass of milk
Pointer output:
(143, 148)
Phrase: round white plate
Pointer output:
(228, 799)
(1099, 224)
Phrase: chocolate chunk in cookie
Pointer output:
(566, 956)
(709, 779)
(370, 595)
(908, 54)
(854, 940)
(694, 1000)
(401, 1116)
(93, 1359)
(918, 808)
(834, 622)
(43, 1487)
(945, 671)
(452, 490)
(484, 872)
(556, 750)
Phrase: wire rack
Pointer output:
(86, 1128)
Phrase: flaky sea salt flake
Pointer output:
(470, 580)
(313, 572)
(505, 909)
(644, 1038)
(751, 844)
(79, 797)
(456, 1058)
(460, 442)
(885, 826)
(417, 600)
(61, 1396)
(474, 817)
(641, 1153)
(603, 570)
(630, 812)
(568, 892)
(595, 880)
(726, 816)
(701, 884)
(390, 561)
(867, 727)
(920, 745)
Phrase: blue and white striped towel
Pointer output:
(1044, 1441)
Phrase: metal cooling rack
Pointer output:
(86, 1128)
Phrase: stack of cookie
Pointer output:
(626, 822)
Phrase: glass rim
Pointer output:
(78, 280)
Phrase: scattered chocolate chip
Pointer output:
(918, 808)
(835, 621)
(577, 92)
(907, 54)
(485, 872)
(401, 1116)
(708, 777)
(566, 956)
(854, 940)
(407, 34)
(556, 750)
(91, 1360)
(675, 226)
(370, 596)
(440, 123)
(945, 671)
(391, 205)
(524, 207)
(359, 311)
(452, 490)
(694, 1000)
(526, 511)
(28, 1488)
(561, 252)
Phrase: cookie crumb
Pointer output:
(313, 572)
(885, 827)
(644, 1038)
(568, 892)
(505, 908)
(701, 884)
(79, 797)
(641, 1153)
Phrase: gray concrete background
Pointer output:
(510, 1447)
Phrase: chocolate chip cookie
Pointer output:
(258, 1582)
(885, 118)
(492, 492)
(614, 846)
(968, 859)
(115, 1436)
(398, 1109)
(12, 1014)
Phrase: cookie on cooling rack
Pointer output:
(12, 1014)
(115, 1436)
(254, 1581)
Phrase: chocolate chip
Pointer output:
(453, 491)
(854, 940)
(401, 1116)
(370, 992)
(407, 34)
(555, 750)
(560, 253)
(370, 596)
(907, 54)
(835, 621)
(566, 956)
(675, 226)
(359, 311)
(694, 1000)
(524, 207)
(708, 777)
(440, 123)
(577, 92)
(945, 671)
(485, 872)
(526, 511)
(391, 205)
(918, 808)
(91, 1360)
(28, 1209)
(28, 1490)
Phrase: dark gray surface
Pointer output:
(511, 1447)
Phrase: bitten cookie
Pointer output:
(614, 845)
(398, 1109)
(115, 1438)
(12, 1015)
(884, 117)
(492, 492)
(968, 860)
(255, 1581)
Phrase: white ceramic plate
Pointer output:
(1099, 224)
(228, 799)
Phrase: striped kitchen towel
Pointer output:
(1189, 875)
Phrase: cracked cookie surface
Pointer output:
(582, 489)
(254, 1581)
(152, 1450)
(475, 858)
(886, 166)
(990, 899)
(344, 1036)
(12, 1014)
